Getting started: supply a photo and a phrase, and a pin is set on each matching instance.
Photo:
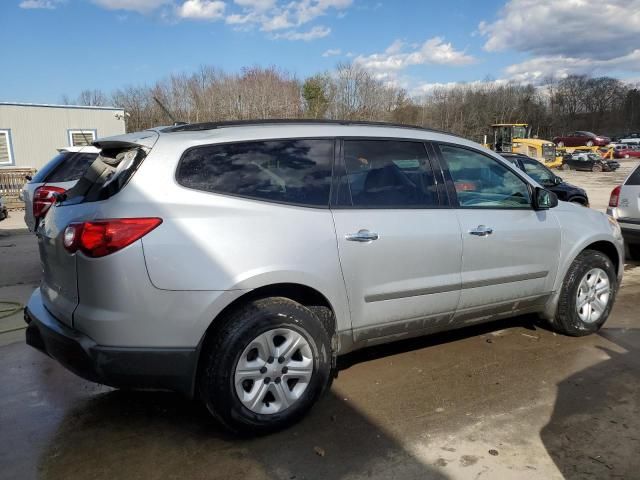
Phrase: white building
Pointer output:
(31, 133)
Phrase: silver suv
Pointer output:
(624, 205)
(236, 261)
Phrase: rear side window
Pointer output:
(634, 178)
(72, 168)
(296, 171)
(388, 174)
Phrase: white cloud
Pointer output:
(141, 6)
(397, 57)
(202, 9)
(332, 52)
(273, 15)
(40, 4)
(600, 29)
(313, 34)
(539, 68)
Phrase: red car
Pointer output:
(627, 152)
(580, 138)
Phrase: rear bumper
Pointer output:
(140, 368)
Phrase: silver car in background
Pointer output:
(57, 176)
(234, 262)
(624, 205)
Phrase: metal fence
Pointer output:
(11, 182)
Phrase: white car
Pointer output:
(61, 173)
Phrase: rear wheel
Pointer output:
(596, 168)
(566, 166)
(590, 143)
(587, 294)
(560, 144)
(267, 365)
(634, 251)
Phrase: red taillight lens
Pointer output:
(43, 198)
(102, 237)
(615, 197)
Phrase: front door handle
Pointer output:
(364, 236)
(481, 231)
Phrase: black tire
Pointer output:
(222, 352)
(567, 320)
(634, 251)
(566, 166)
(590, 143)
(596, 168)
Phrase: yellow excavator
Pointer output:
(516, 138)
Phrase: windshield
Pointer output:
(594, 156)
(519, 132)
(539, 172)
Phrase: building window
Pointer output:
(6, 153)
(80, 138)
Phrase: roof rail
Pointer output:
(196, 127)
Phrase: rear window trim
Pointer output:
(260, 199)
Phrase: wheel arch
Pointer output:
(605, 247)
(303, 294)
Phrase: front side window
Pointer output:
(539, 172)
(389, 174)
(482, 182)
(296, 171)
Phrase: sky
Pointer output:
(61, 47)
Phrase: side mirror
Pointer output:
(544, 199)
(559, 179)
(28, 178)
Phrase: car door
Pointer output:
(399, 249)
(510, 251)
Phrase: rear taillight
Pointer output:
(615, 197)
(43, 198)
(103, 237)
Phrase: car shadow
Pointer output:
(125, 434)
(594, 430)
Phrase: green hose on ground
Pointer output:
(6, 310)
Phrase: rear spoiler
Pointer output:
(146, 139)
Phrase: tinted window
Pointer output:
(389, 174)
(634, 179)
(72, 168)
(538, 172)
(481, 181)
(44, 172)
(293, 171)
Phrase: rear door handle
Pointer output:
(363, 236)
(481, 231)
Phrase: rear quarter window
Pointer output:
(295, 171)
(634, 178)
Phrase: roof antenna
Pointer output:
(168, 113)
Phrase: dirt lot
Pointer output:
(505, 400)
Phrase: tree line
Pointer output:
(604, 105)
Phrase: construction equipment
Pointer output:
(516, 138)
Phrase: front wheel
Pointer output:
(566, 166)
(590, 143)
(596, 168)
(266, 366)
(587, 295)
(560, 144)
